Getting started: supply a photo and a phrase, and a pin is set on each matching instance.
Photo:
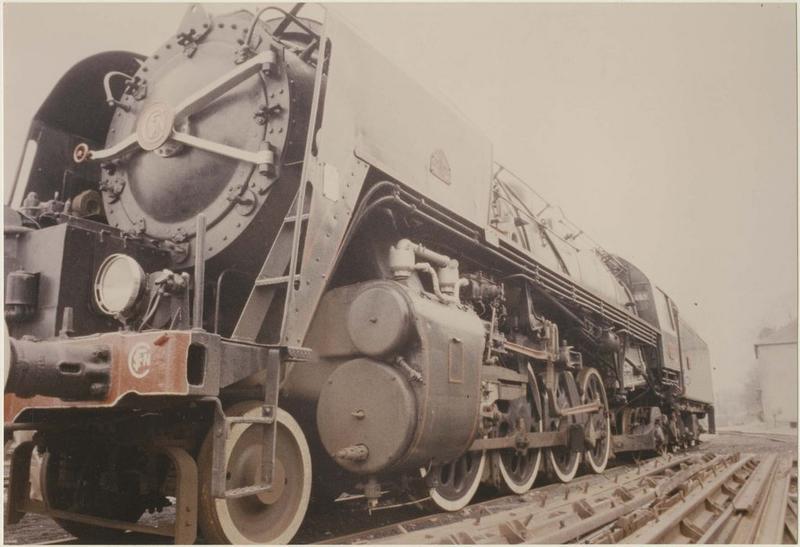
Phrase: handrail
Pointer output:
(577, 231)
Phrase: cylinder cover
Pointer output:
(378, 321)
(366, 403)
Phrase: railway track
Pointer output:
(694, 498)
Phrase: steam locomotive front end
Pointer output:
(144, 207)
(108, 201)
(70, 288)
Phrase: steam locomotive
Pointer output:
(264, 250)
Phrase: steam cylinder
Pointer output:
(398, 383)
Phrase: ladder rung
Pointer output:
(268, 281)
(249, 420)
(292, 218)
(247, 490)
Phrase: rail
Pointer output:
(694, 498)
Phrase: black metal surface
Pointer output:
(66, 258)
(58, 370)
(22, 295)
(268, 111)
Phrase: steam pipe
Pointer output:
(433, 257)
(425, 267)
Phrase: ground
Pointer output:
(352, 517)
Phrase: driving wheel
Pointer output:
(515, 470)
(452, 485)
(598, 423)
(563, 461)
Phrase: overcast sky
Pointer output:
(667, 132)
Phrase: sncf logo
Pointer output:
(140, 360)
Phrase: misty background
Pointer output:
(667, 132)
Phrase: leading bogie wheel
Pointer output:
(598, 423)
(563, 461)
(84, 494)
(273, 516)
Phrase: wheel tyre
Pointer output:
(508, 484)
(443, 501)
(565, 471)
(217, 517)
(589, 378)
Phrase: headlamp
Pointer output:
(119, 283)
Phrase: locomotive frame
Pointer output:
(462, 318)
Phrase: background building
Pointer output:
(776, 355)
